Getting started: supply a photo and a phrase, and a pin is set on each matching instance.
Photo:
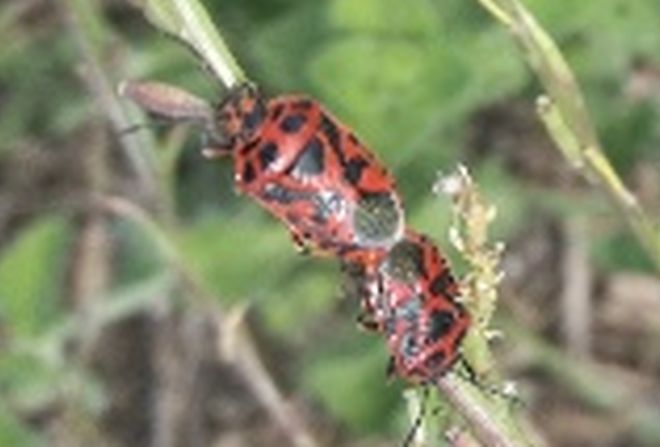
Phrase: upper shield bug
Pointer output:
(296, 160)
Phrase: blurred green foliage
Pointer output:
(31, 274)
(407, 77)
(12, 432)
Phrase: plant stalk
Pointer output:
(564, 114)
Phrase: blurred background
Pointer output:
(144, 303)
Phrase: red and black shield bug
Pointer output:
(299, 162)
(412, 297)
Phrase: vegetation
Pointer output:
(143, 302)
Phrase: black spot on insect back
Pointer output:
(293, 123)
(329, 129)
(441, 324)
(311, 159)
(254, 118)
(276, 193)
(249, 147)
(248, 174)
(303, 104)
(267, 154)
(436, 360)
(277, 112)
(441, 283)
(409, 347)
(353, 170)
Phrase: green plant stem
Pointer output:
(566, 119)
(491, 418)
(189, 21)
(489, 424)
(209, 42)
(91, 36)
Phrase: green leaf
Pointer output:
(403, 100)
(433, 217)
(138, 255)
(297, 303)
(624, 31)
(189, 21)
(163, 15)
(279, 52)
(238, 258)
(34, 68)
(13, 433)
(31, 383)
(385, 16)
(496, 70)
(620, 251)
(619, 28)
(377, 95)
(31, 271)
(128, 301)
(351, 382)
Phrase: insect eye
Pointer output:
(255, 117)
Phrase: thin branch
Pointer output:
(90, 265)
(188, 21)
(237, 346)
(84, 28)
(576, 297)
(486, 429)
(566, 119)
(491, 417)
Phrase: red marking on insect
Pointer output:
(411, 296)
(301, 164)
(309, 170)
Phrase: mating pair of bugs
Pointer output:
(336, 198)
